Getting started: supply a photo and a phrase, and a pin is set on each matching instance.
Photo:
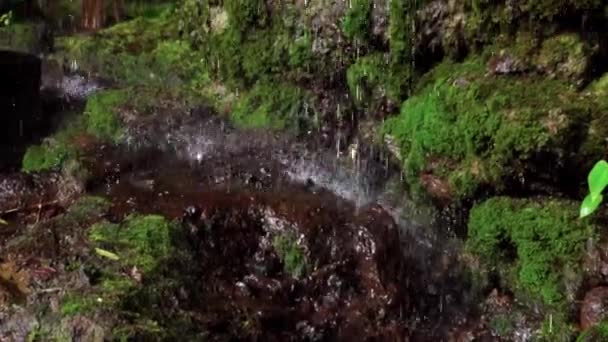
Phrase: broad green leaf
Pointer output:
(590, 204)
(3, 222)
(598, 177)
(106, 254)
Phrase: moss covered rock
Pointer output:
(25, 37)
(533, 244)
(477, 131)
(273, 106)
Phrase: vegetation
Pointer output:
(272, 106)
(101, 119)
(598, 180)
(530, 242)
(357, 22)
(141, 241)
(367, 78)
(475, 131)
(292, 254)
(55, 151)
(595, 334)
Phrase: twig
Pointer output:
(38, 206)
(39, 212)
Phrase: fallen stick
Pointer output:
(38, 206)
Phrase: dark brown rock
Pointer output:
(595, 307)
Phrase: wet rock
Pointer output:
(440, 29)
(595, 307)
(506, 64)
(20, 191)
(21, 120)
(437, 187)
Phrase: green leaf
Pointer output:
(107, 254)
(590, 204)
(598, 177)
(3, 222)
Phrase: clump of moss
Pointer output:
(142, 241)
(100, 114)
(272, 106)
(534, 240)
(474, 130)
(401, 38)
(357, 21)
(367, 78)
(55, 151)
(291, 253)
(47, 156)
(88, 206)
(77, 304)
(22, 37)
(566, 56)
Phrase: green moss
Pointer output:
(88, 207)
(142, 241)
(272, 106)
(557, 328)
(292, 254)
(367, 78)
(537, 239)
(56, 152)
(401, 71)
(566, 56)
(247, 15)
(47, 156)
(475, 130)
(357, 21)
(76, 304)
(300, 51)
(100, 114)
(502, 325)
(21, 37)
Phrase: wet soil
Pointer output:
(371, 274)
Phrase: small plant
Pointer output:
(598, 180)
(6, 18)
(291, 253)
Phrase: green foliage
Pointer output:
(597, 180)
(100, 114)
(272, 106)
(537, 240)
(141, 241)
(291, 253)
(474, 130)
(357, 22)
